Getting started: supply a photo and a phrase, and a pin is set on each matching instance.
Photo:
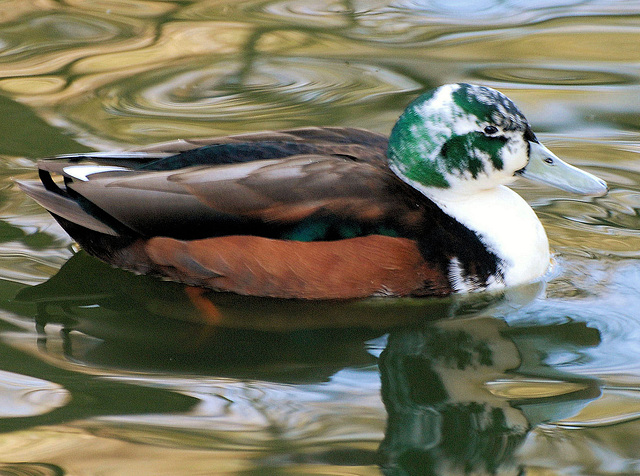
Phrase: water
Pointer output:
(103, 372)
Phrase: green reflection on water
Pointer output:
(26, 134)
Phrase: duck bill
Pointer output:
(544, 166)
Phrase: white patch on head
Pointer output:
(451, 118)
(441, 114)
(442, 99)
(515, 153)
(497, 101)
(464, 124)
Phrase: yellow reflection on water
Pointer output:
(176, 40)
(531, 388)
(38, 85)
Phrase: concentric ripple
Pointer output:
(279, 91)
(45, 42)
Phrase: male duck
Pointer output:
(325, 213)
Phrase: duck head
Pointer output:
(460, 139)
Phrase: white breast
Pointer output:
(507, 226)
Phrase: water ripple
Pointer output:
(47, 41)
(280, 91)
(603, 294)
(248, 416)
(332, 13)
(30, 469)
(323, 13)
(553, 76)
(606, 226)
(514, 11)
(215, 91)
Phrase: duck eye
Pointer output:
(548, 160)
(490, 130)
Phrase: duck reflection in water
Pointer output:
(461, 393)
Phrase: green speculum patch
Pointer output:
(334, 228)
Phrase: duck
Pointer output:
(324, 213)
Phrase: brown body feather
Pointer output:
(346, 269)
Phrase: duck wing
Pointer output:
(307, 184)
(305, 198)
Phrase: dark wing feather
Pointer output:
(127, 159)
(355, 144)
(337, 136)
(314, 183)
(266, 198)
(147, 202)
(149, 212)
(64, 207)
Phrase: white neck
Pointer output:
(506, 225)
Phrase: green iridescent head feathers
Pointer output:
(460, 134)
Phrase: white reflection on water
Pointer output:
(22, 396)
(606, 299)
(259, 415)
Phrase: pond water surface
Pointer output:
(104, 372)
